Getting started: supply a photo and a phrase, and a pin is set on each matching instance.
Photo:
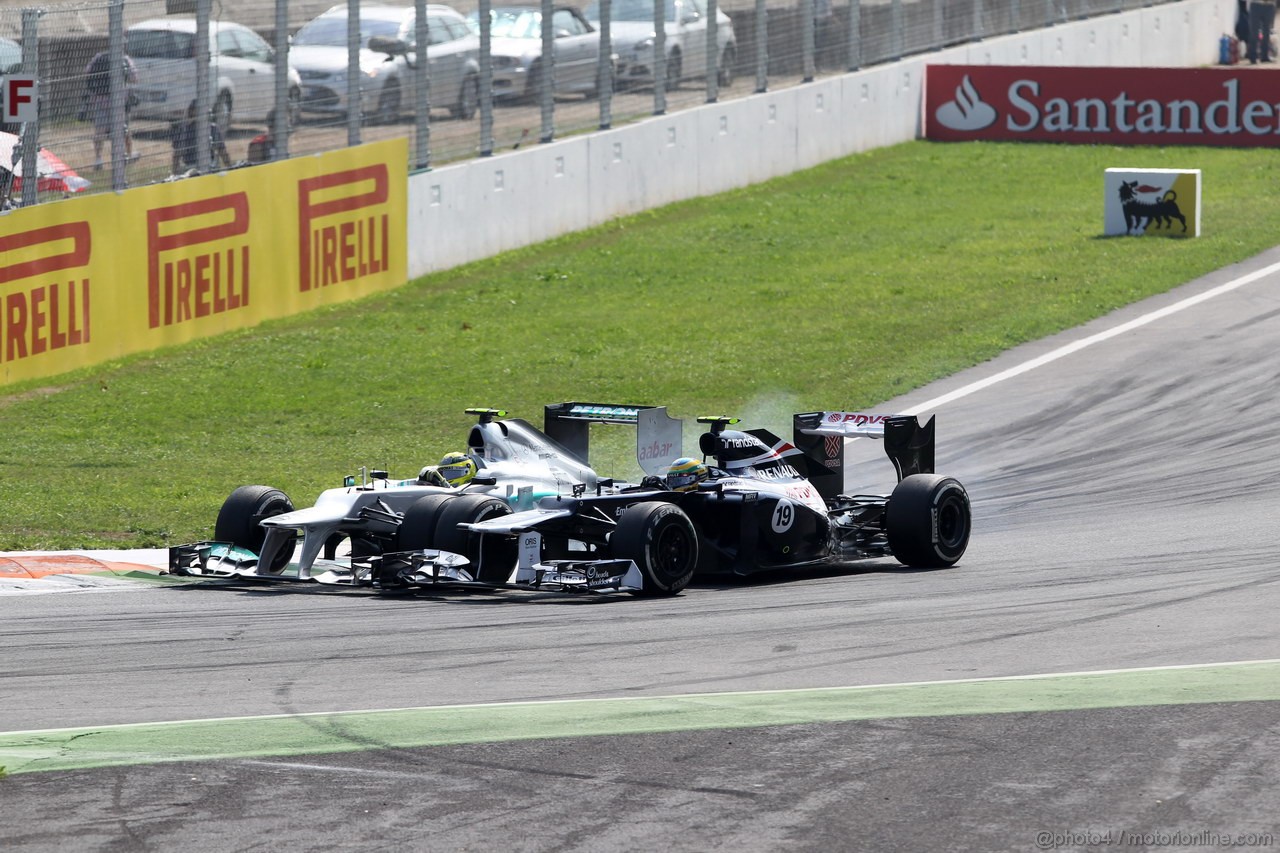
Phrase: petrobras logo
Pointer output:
(854, 418)
(1135, 106)
(197, 259)
(344, 225)
(47, 308)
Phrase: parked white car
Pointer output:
(388, 59)
(242, 71)
(516, 50)
(632, 35)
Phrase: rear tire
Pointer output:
(927, 520)
(493, 558)
(239, 520)
(661, 540)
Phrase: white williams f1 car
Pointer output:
(764, 504)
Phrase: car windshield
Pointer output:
(511, 23)
(630, 10)
(158, 44)
(331, 31)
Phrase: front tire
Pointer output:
(239, 520)
(726, 71)
(417, 530)
(661, 540)
(927, 520)
(493, 558)
(388, 110)
(222, 114)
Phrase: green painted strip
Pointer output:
(245, 737)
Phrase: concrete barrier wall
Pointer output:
(477, 209)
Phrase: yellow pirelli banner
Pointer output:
(87, 280)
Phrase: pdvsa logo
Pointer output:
(343, 219)
(967, 111)
(48, 310)
(196, 266)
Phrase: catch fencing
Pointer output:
(122, 130)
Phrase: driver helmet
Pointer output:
(686, 473)
(457, 468)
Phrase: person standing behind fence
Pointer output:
(1262, 17)
(97, 85)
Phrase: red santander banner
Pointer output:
(1119, 106)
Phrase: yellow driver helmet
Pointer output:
(457, 468)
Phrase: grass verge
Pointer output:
(841, 286)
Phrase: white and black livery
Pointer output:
(767, 504)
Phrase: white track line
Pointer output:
(1064, 351)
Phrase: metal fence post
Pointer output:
(807, 64)
(204, 152)
(355, 104)
(713, 54)
(119, 92)
(546, 78)
(660, 81)
(486, 78)
(282, 126)
(855, 35)
(762, 46)
(604, 70)
(30, 131)
(896, 36)
(422, 86)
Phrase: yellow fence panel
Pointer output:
(87, 280)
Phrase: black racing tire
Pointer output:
(533, 84)
(661, 540)
(493, 558)
(239, 520)
(468, 99)
(222, 113)
(928, 520)
(417, 530)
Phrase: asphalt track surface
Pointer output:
(1101, 671)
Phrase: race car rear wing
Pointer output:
(822, 435)
(657, 435)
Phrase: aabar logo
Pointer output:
(967, 111)
(184, 283)
(343, 236)
(54, 313)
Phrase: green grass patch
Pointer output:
(841, 286)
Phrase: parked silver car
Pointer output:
(632, 34)
(516, 48)
(388, 59)
(242, 71)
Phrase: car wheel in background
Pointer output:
(222, 113)
(927, 520)
(468, 98)
(239, 520)
(660, 539)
